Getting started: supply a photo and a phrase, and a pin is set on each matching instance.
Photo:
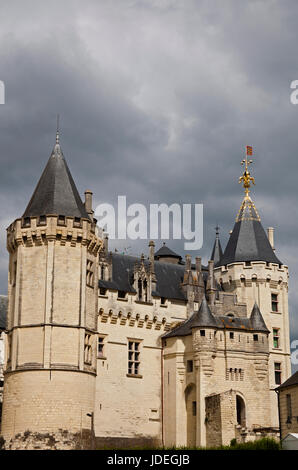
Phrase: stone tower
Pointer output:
(52, 309)
(250, 269)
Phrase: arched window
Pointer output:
(240, 409)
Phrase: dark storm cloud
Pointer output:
(157, 101)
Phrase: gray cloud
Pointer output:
(157, 101)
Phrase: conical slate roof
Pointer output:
(248, 240)
(165, 252)
(56, 192)
(217, 250)
(257, 320)
(202, 318)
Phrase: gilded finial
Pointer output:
(57, 132)
(246, 179)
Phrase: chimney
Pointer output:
(187, 262)
(270, 233)
(151, 252)
(88, 203)
(210, 283)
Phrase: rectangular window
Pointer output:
(189, 366)
(61, 220)
(256, 338)
(163, 301)
(102, 291)
(202, 332)
(121, 294)
(90, 273)
(277, 372)
(194, 408)
(274, 302)
(231, 335)
(100, 347)
(133, 357)
(87, 349)
(275, 337)
(289, 408)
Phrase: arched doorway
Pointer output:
(240, 410)
(191, 415)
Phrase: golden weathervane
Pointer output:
(246, 179)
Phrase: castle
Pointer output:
(139, 350)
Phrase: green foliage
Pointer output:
(260, 444)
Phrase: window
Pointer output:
(14, 274)
(163, 301)
(202, 332)
(26, 222)
(256, 338)
(133, 357)
(102, 291)
(275, 337)
(189, 366)
(100, 347)
(90, 273)
(102, 273)
(77, 222)
(61, 220)
(42, 220)
(274, 302)
(231, 335)
(277, 372)
(289, 408)
(88, 349)
(194, 408)
(121, 294)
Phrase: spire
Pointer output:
(204, 316)
(56, 192)
(248, 240)
(257, 320)
(217, 250)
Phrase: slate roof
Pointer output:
(204, 318)
(3, 311)
(168, 276)
(166, 252)
(248, 240)
(293, 380)
(56, 192)
(217, 251)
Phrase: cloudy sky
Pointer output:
(157, 99)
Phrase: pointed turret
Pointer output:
(257, 321)
(217, 250)
(248, 240)
(204, 316)
(56, 192)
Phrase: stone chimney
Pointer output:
(270, 234)
(88, 203)
(211, 282)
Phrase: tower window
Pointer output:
(194, 408)
(189, 366)
(202, 332)
(102, 291)
(231, 335)
(90, 273)
(163, 301)
(274, 302)
(77, 222)
(42, 220)
(276, 337)
(277, 372)
(256, 338)
(100, 347)
(133, 357)
(88, 349)
(61, 220)
(121, 294)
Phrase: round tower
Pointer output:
(52, 310)
(250, 268)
